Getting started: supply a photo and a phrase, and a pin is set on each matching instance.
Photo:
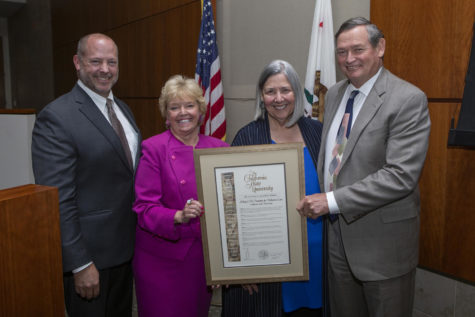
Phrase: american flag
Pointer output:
(208, 75)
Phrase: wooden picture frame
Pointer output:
(251, 230)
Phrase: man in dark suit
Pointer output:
(374, 144)
(86, 143)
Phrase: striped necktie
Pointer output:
(340, 143)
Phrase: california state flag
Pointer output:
(321, 60)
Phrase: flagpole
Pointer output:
(321, 60)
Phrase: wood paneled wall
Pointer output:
(156, 39)
(428, 44)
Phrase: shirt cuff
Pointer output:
(79, 269)
(332, 205)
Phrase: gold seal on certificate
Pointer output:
(251, 230)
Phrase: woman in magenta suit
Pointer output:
(168, 261)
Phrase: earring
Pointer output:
(200, 121)
(167, 124)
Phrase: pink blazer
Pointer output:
(165, 180)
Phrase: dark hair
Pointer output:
(374, 33)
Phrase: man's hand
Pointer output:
(86, 282)
(313, 206)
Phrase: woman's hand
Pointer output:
(192, 209)
(251, 288)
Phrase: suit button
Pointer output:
(173, 157)
(183, 182)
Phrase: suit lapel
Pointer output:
(93, 114)
(367, 112)
(126, 113)
(130, 118)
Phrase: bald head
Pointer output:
(97, 63)
(83, 43)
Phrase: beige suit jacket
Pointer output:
(377, 187)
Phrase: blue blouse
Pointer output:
(308, 294)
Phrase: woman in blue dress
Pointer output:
(280, 118)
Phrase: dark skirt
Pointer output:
(266, 303)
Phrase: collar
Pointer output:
(96, 98)
(367, 86)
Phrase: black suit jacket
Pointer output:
(76, 149)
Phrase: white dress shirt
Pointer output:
(100, 102)
(335, 125)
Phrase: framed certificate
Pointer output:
(251, 230)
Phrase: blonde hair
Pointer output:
(179, 86)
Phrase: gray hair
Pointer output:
(374, 33)
(280, 67)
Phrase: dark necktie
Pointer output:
(340, 143)
(119, 130)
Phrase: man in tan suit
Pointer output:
(370, 179)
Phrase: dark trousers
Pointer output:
(115, 298)
(266, 303)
